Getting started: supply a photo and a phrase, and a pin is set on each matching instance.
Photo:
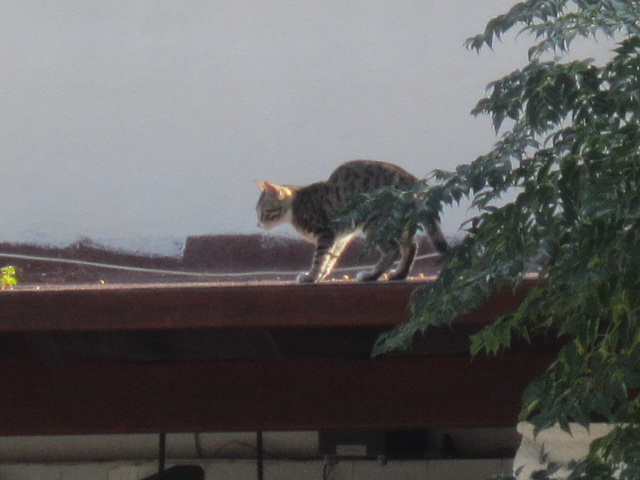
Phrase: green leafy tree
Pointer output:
(571, 158)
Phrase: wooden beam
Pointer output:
(167, 307)
(269, 357)
(307, 394)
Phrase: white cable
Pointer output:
(19, 256)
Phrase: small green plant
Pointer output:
(8, 277)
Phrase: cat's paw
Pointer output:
(397, 277)
(306, 277)
(368, 276)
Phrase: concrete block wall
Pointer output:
(273, 470)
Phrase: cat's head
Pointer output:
(274, 205)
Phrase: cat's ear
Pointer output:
(276, 190)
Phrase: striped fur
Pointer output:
(313, 209)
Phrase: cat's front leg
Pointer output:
(307, 277)
(321, 265)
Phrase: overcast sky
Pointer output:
(136, 122)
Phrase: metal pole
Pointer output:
(260, 455)
(162, 454)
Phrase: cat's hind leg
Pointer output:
(436, 237)
(387, 257)
(407, 255)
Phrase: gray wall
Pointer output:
(139, 122)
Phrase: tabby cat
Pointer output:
(313, 209)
